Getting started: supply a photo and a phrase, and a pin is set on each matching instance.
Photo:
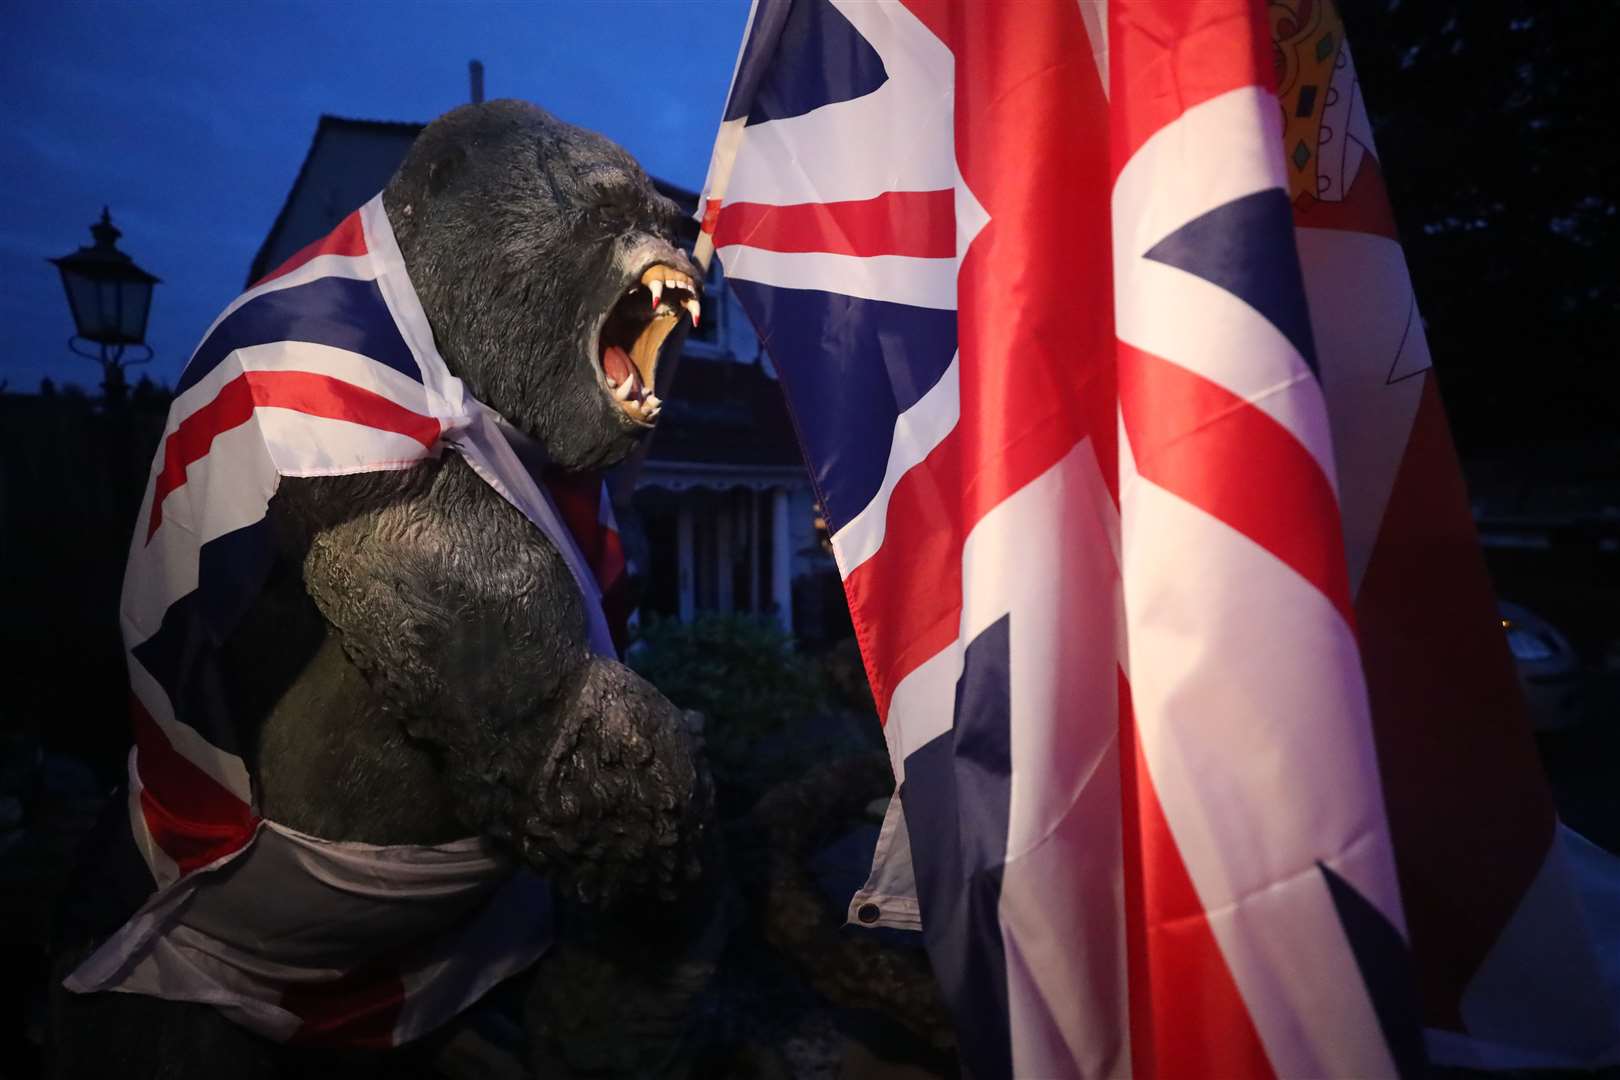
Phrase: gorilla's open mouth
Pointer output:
(634, 335)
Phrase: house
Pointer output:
(720, 514)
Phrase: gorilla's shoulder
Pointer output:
(438, 518)
(426, 564)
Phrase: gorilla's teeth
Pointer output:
(653, 401)
(623, 392)
(657, 290)
(694, 309)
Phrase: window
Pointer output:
(709, 339)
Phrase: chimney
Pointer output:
(475, 74)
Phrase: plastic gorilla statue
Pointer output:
(416, 671)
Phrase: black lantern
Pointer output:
(110, 297)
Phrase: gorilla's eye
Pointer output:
(612, 192)
(618, 203)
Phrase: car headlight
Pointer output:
(1527, 645)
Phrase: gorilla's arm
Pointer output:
(456, 636)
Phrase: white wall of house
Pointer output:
(740, 532)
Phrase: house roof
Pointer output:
(328, 132)
(725, 412)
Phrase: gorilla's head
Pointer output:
(546, 263)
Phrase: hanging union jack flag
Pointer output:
(1104, 359)
(326, 367)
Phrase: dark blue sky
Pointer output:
(190, 120)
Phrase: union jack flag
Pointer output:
(1105, 362)
(327, 367)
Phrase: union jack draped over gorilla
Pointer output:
(1106, 365)
(326, 367)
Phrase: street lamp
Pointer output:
(111, 298)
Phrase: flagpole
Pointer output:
(726, 141)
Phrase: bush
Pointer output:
(760, 698)
(739, 671)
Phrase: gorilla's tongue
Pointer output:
(616, 363)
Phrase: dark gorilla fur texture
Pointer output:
(430, 676)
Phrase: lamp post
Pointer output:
(111, 298)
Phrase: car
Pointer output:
(1549, 669)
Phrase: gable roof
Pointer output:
(725, 412)
(328, 131)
